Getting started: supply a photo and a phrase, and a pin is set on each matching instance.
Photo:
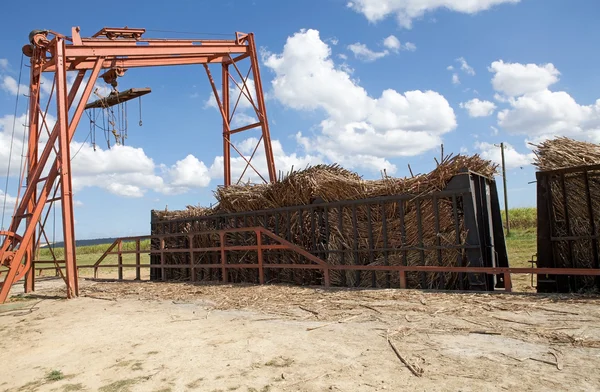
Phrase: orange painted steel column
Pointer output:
(48, 183)
(64, 165)
(260, 97)
(226, 126)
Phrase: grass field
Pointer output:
(89, 255)
(521, 243)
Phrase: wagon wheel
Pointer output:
(13, 241)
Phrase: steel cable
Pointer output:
(11, 143)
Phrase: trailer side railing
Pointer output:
(568, 216)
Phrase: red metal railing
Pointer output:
(223, 248)
(282, 244)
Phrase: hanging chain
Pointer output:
(140, 100)
(125, 134)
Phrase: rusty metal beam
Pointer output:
(115, 99)
(64, 164)
(380, 268)
(245, 128)
(260, 97)
(87, 64)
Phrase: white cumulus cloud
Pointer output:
(12, 146)
(357, 127)
(512, 157)
(10, 202)
(514, 79)
(128, 171)
(189, 172)
(362, 52)
(478, 108)
(537, 112)
(11, 86)
(410, 47)
(406, 11)
(465, 67)
(394, 44)
(122, 170)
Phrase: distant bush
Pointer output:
(521, 218)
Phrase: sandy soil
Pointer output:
(180, 337)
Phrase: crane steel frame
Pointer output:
(115, 49)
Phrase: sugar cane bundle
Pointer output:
(348, 240)
(573, 217)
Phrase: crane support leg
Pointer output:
(64, 161)
(15, 252)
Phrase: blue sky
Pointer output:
(469, 76)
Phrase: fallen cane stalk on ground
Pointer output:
(417, 371)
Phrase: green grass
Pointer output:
(94, 249)
(89, 255)
(522, 241)
(521, 245)
(55, 375)
(280, 362)
(120, 386)
(73, 387)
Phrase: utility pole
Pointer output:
(505, 194)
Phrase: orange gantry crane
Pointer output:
(114, 50)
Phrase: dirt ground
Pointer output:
(182, 337)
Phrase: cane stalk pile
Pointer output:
(339, 235)
(573, 217)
